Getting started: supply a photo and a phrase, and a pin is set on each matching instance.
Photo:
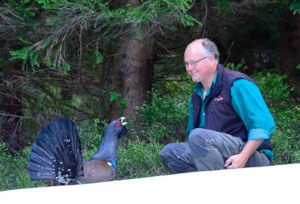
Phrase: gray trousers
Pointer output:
(206, 150)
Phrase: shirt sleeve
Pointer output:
(190, 125)
(249, 104)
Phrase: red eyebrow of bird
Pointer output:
(117, 123)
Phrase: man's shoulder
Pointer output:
(232, 76)
(233, 73)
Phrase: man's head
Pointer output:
(201, 58)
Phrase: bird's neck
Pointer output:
(108, 149)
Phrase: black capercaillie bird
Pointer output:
(56, 154)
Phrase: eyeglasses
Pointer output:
(192, 63)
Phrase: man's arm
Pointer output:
(249, 104)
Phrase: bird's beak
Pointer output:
(123, 121)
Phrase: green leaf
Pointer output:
(26, 55)
(46, 43)
(99, 57)
(96, 23)
(66, 67)
(138, 33)
(90, 5)
(48, 61)
(122, 103)
(25, 41)
(33, 59)
(114, 96)
(295, 6)
(224, 5)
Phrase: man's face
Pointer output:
(197, 64)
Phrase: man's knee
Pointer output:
(165, 150)
(167, 157)
(164, 154)
(201, 135)
(199, 140)
(175, 158)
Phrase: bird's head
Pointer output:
(108, 148)
(117, 127)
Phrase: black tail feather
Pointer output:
(56, 153)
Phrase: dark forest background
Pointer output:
(94, 61)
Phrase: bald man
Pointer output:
(229, 124)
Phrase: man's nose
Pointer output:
(188, 67)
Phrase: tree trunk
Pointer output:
(290, 57)
(132, 75)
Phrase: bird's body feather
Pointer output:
(92, 172)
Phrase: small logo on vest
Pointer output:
(219, 98)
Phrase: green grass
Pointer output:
(13, 170)
(163, 120)
(139, 159)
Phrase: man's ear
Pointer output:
(212, 60)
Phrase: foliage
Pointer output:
(286, 139)
(14, 171)
(115, 97)
(295, 6)
(275, 91)
(139, 159)
(98, 22)
(26, 55)
(91, 133)
(163, 119)
(224, 5)
(240, 67)
(69, 46)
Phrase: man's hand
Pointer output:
(240, 160)
(236, 161)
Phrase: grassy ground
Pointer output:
(163, 121)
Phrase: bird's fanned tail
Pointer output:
(56, 153)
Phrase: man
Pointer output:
(229, 123)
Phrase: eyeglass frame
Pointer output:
(192, 63)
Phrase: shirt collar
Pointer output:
(198, 87)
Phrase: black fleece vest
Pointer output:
(219, 113)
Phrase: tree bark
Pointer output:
(290, 57)
(132, 75)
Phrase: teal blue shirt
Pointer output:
(249, 104)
